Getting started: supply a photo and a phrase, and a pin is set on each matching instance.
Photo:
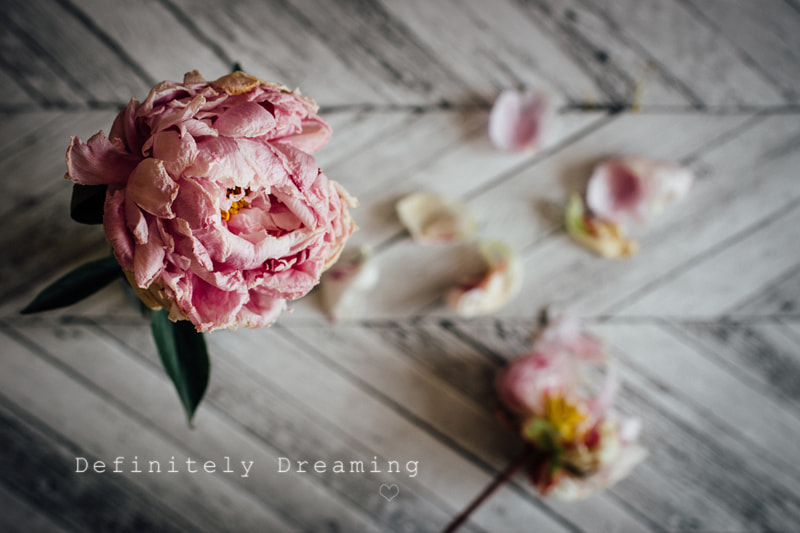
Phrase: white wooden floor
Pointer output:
(705, 320)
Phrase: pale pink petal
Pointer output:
(99, 161)
(177, 149)
(260, 310)
(315, 133)
(152, 188)
(148, 259)
(302, 167)
(495, 288)
(344, 287)
(220, 159)
(245, 120)
(522, 120)
(635, 188)
(116, 231)
(136, 221)
(434, 219)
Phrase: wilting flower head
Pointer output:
(558, 397)
(215, 208)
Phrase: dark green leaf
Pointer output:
(185, 358)
(73, 287)
(236, 67)
(86, 206)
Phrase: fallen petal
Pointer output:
(635, 188)
(501, 282)
(345, 285)
(600, 236)
(522, 120)
(433, 219)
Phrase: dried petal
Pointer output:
(344, 287)
(433, 219)
(522, 120)
(602, 237)
(635, 188)
(498, 285)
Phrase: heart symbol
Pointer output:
(389, 492)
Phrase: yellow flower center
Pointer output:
(564, 416)
(236, 205)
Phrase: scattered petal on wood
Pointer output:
(434, 219)
(523, 120)
(345, 286)
(602, 237)
(635, 188)
(495, 288)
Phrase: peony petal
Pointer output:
(501, 282)
(148, 258)
(302, 167)
(115, 227)
(260, 310)
(433, 219)
(152, 188)
(602, 237)
(245, 120)
(177, 149)
(99, 161)
(136, 221)
(522, 120)
(315, 133)
(344, 287)
(635, 188)
(220, 159)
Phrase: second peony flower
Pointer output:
(215, 208)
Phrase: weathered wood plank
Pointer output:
(34, 165)
(719, 281)
(754, 415)
(763, 355)
(700, 473)
(698, 56)
(38, 468)
(498, 52)
(155, 39)
(77, 54)
(14, 93)
(447, 385)
(385, 426)
(269, 411)
(766, 32)
(105, 430)
(147, 391)
(625, 71)
(20, 516)
(518, 207)
(779, 298)
(731, 179)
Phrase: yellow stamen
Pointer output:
(235, 206)
(564, 416)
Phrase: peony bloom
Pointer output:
(558, 397)
(635, 188)
(215, 208)
(522, 120)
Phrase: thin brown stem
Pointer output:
(513, 467)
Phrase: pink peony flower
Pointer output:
(215, 208)
(559, 398)
(522, 120)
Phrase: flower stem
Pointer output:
(503, 477)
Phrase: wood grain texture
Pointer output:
(703, 322)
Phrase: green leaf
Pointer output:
(87, 202)
(236, 67)
(185, 358)
(73, 287)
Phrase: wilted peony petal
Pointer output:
(433, 219)
(345, 286)
(635, 188)
(501, 282)
(602, 237)
(522, 120)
